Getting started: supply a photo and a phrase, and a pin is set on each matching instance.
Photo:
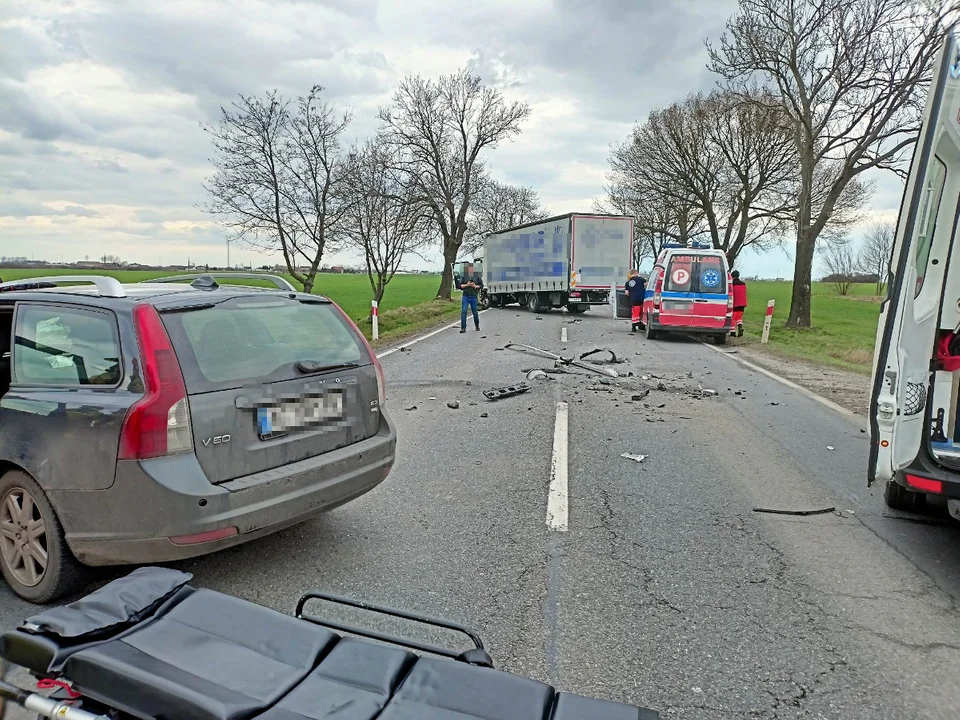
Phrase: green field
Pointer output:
(407, 305)
(844, 328)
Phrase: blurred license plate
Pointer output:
(301, 413)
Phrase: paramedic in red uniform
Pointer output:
(739, 302)
(635, 288)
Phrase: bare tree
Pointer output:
(279, 176)
(841, 261)
(733, 161)
(497, 206)
(851, 75)
(386, 221)
(441, 128)
(875, 251)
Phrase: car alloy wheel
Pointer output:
(23, 537)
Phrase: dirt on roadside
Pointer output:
(847, 389)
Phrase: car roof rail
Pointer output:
(281, 282)
(106, 286)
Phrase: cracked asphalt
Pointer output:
(667, 590)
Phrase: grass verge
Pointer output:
(400, 323)
(844, 328)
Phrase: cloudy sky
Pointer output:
(101, 103)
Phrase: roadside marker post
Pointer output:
(766, 323)
(375, 317)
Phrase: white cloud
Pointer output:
(101, 103)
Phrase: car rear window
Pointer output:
(258, 340)
(696, 273)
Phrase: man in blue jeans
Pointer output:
(470, 284)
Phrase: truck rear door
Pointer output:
(916, 305)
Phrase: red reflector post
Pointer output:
(925, 484)
(204, 537)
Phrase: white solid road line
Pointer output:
(417, 339)
(563, 334)
(789, 383)
(557, 507)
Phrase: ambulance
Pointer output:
(689, 292)
(915, 403)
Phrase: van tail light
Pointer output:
(729, 294)
(923, 484)
(657, 289)
(158, 424)
(381, 380)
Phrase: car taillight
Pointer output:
(729, 293)
(926, 485)
(381, 380)
(574, 294)
(158, 424)
(658, 288)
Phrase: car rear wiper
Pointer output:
(310, 367)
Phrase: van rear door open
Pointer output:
(914, 418)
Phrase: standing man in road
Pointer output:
(470, 284)
(635, 288)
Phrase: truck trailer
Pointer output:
(571, 261)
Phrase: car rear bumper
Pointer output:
(151, 502)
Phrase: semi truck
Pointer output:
(571, 261)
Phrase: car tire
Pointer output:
(533, 303)
(47, 570)
(897, 497)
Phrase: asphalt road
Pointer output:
(662, 587)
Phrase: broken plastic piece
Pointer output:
(537, 374)
(453, 404)
(613, 356)
(503, 392)
(530, 349)
(635, 458)
(412, 407)
(822, 511)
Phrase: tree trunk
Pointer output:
(802, 274)
(446, 279)
(308, 282)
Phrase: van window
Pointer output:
(696, 274)
(927, 223)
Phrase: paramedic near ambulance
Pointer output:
(635, 287)
(739, 303)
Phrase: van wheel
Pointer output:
(649, 333)
(34, 558)
(897, 497)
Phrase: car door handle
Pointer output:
(699, 300)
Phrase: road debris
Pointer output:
(453, 404)
(431, 398)
(773, 403)
(821, 511)
(537, 374)
(504, 392)
(635, 458)
(560, 360)
(412, 407)
(483, 415)
(641, 395)
(573, 322)
(405, 349)
(830, 447)
(614, 360)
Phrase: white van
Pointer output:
(915, 406)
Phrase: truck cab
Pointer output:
(915, 402)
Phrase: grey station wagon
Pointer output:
(156, 421)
